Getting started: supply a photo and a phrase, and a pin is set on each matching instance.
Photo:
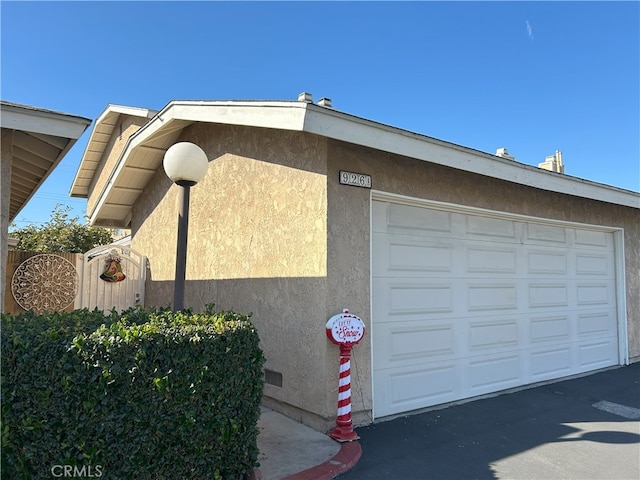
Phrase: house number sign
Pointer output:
(355, 179)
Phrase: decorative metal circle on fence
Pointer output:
(45, 282)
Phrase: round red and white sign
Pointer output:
(345, 328)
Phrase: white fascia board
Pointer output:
(124, 110)
(108, 113)
(339, 126)
(46, 122)
(276, 115)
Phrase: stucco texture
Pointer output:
(257, 243)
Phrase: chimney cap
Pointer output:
(325, 102)
(305, 97)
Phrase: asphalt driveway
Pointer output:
(585, 428)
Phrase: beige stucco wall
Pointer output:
(124, 128)
(257, 243)
(6, 155)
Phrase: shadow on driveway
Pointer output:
(547, 432)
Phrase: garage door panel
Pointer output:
(596, 354)
(549, 362)
(490, 373)
(403, 255)
(548, 295)
(599, 323)
(495, 302)
(493, 334)
(595, 293)
(407, 343)
(551, 328)
(590, 238)
(592, 264)
(492, 296)
(482, 259)
(403, 218)
(488, 227)
(547, 262)
(547, 234)
(408, 389)
(412, 298)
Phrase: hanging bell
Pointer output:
(113, 271)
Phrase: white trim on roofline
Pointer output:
(124, 110)
(347, 128)
(327, 122)
(276, 115)
(39, 120)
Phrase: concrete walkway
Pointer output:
(290, 450)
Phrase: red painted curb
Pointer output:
(342, 461)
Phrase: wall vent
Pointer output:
(272, 377)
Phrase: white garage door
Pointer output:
(466, 304)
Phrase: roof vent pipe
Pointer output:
(305, 97)
(325, 102)
(504, 153)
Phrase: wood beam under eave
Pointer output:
(117, 205)
(33, 159)
(128, 189)
(58, 142)
(140, 169)
(22, 188)
(36, 146)
(151, 148)
(19, 172)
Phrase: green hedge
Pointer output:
(145, 395)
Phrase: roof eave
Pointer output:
(38, 121)
(347, 128)
(327, 122)
(111, 115)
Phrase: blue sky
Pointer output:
(534, 77)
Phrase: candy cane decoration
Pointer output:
(345, 330)
(343, 432)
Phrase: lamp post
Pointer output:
(185, 164)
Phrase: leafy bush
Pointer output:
(145, 395)
(60, 234)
